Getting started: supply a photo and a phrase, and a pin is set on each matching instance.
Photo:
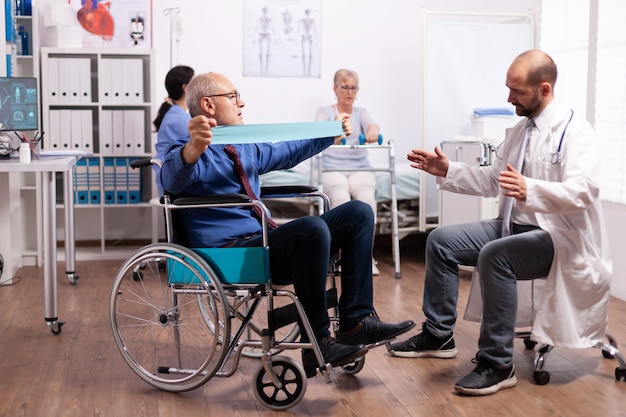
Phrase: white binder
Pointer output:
(64, 80)
(52, 140)
(84, 80)
(73, 77)
(76, 129)
(134, 132)
(104, 80)
(116, 81)
(66, 130)
(53, 80)
(106, 132)
(87, 130)
(118, 132)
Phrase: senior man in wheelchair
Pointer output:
(300, 250)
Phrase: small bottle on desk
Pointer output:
(24, 153)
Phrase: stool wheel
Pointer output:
(541, 377)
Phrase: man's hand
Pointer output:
(346, 125)
(200, 136)
(435, 163)
(513, 183)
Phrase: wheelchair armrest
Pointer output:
(286, 190)
(211, 199)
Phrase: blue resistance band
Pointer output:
(275, 132)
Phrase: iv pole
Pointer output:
(172, 12)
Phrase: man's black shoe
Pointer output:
(486, 379)
(371, 330)
(334, 353)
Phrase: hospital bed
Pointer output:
(397, 194)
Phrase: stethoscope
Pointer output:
(556, 156)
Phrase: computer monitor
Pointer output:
(18, 103)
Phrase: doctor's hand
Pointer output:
(200, 136)
(513, 183)
(435, 163)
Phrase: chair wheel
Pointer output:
(292, 377)
(541, 377)
(620, 374)
(354, 367)
(529, 344)
(607, 355)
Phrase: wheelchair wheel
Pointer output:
(239, 307)
(292, 379)
(157, 325)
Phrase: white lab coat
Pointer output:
(572, 307)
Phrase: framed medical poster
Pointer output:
(281, 38)
(114, 23)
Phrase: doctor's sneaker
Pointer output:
(485, 379)
(425, 345)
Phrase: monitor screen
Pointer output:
(18, 103)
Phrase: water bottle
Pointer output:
(22, 41)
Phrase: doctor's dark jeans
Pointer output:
(526, 254)
(300, 252)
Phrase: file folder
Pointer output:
(134, 183)
(93, 174)
(121, 180)
(108, 180)
(81, 182)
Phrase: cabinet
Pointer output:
(100, 101)
(20, 190)
(459, 208)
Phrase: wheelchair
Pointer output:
(182, 316)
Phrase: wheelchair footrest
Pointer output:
(289, 314)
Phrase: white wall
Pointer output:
(382, 41)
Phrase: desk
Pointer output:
(47, 166)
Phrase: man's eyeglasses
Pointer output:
(234, 96)
(347, 88)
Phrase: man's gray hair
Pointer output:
(200, 86)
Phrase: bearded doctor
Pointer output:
(546, 176)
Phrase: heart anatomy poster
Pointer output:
(114, 23)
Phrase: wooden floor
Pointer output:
(81, 373)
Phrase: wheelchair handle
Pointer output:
(145, 162)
